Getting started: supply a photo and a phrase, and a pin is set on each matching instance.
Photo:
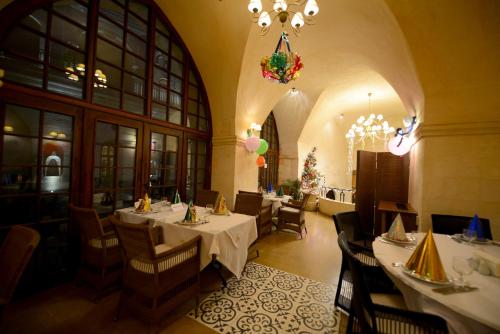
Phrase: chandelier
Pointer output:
(283, 11)
(100, 79)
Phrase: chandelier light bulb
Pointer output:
(255, 6)
(380, 117)
(311, 8)
(297, 20)
(280, 5)
(264, 20)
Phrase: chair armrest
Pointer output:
(294, 204)
(109, 235)
(416, 319)
(181, 248)
(157, 234)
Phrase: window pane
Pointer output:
(112, 10)
(113, 75)
(103, 202)
(191, 122)
(192, 78)
(138, 27)
(54, 207)
(55, 154)
(202, 110)
(104, 156)
(105, 133)
(26, 43)
(159, 112)
(200, 177)
(125, 177)
(175, 100)
(106, 97)
(103, 177)
(135, 65)
(66, 58)
(157, 141)
(176, 84)
(72, 10)
(171, 159)
(20, 210)
(139, 9)
(202, 147)
(109, 53)
(127, 137)
(68, 33)
(24, 121)
(55, 179)
(110, 31)
(37, 20)
(192, 107)
(176, 68)
(156, 159)
(136, 46)
(19, 150)
(174, 116)
(177, 52)
(156, 177)
(161, 59)
(133, 84)
(124, 199)
(126, 157)
(133, 104)
(160, 77)
(193, 92)
(19, 179)
(171, 176)
(161, 27)
(22, 71)
(162, 42)
(61, 84)
(202, 124)
(57, 126)
(202, 161)
(159, 94)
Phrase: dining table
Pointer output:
(475, 311)
(225, 238)
(277, 201)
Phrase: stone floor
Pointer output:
(67, 309)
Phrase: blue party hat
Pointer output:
(270, 187)
(476, 225)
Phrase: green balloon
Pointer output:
(262, 147)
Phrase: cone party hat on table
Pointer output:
(269, 187)
(475, 225)
(189, 213)
(397, 230)
(177, 197)
(221, 206)
(280, 191)
(425, 260)
(147, 203)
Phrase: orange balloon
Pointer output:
(261, 161)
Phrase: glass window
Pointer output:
(68, 33)
(109, 53)
(112, 11)
(110, 31)
(26, 43)
(72, 10)
(37, 20)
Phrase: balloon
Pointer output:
(252, 143)
(261, 161)
(262, 147)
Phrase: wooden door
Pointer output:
(392, 177)
(365, 188)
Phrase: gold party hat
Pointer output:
(147, 203)
(425, 260)
(221, 206)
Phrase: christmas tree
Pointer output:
(310, 174)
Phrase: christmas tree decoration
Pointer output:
(310, 174)
(283, 65)
(263, 147)
(261, 161)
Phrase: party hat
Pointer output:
(189, 212)
(397, 230)
(221, 206)
(270, 187)
(147, 203)
(177, 197)
(476, 225)
(425, 260)
(280, 191)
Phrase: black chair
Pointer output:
(349, 223)
(367, 317)
(204, 197)
(447, 224)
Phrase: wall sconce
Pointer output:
(401, 143)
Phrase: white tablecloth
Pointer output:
(276, 201)
(469, 312)
(226, 237)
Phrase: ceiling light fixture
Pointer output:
(283, 11)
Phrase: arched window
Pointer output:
(269, 173)
(101, 101)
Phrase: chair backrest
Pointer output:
(249, 193)
(248, 204)
(204, 197)
(330, 194)
(305, 199)
(350, 223)
(447, 224)
(136, 240)
(15, 253)
(88, 222)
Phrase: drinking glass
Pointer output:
(210, 208)
(461, 265)
(469, 235)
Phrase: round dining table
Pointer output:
(476, 311)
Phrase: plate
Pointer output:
(410, 240)
(411, 273)
(220, 213)
(187, 223)
(476, 241)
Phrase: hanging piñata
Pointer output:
(283, 65)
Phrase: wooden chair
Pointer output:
(265, 218)
(158, 278)
(367, 317)
(291, 216)
(15, 253)
(447, 224)
(101, 258)
(204, 197)
(349, 224)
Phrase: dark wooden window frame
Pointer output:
(270, 134)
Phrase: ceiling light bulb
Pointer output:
(264, 19)
(280, 5)
(380, 117)
(53, 133)
(297, 20)
(311, 8)
(255, 6)
(8, 128)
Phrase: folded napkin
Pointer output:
(397, 230)
(492, 261)
(476, 225)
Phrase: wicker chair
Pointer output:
(204, 197)
(265, 218)
(291, 216)
(446, 224)
(15, 253)
(360, 243)
(158, 278)
(101, 260)
(366, 317)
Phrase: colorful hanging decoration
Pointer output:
(261, 161)
(263, 147)
(283, 65)
(252, 143)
